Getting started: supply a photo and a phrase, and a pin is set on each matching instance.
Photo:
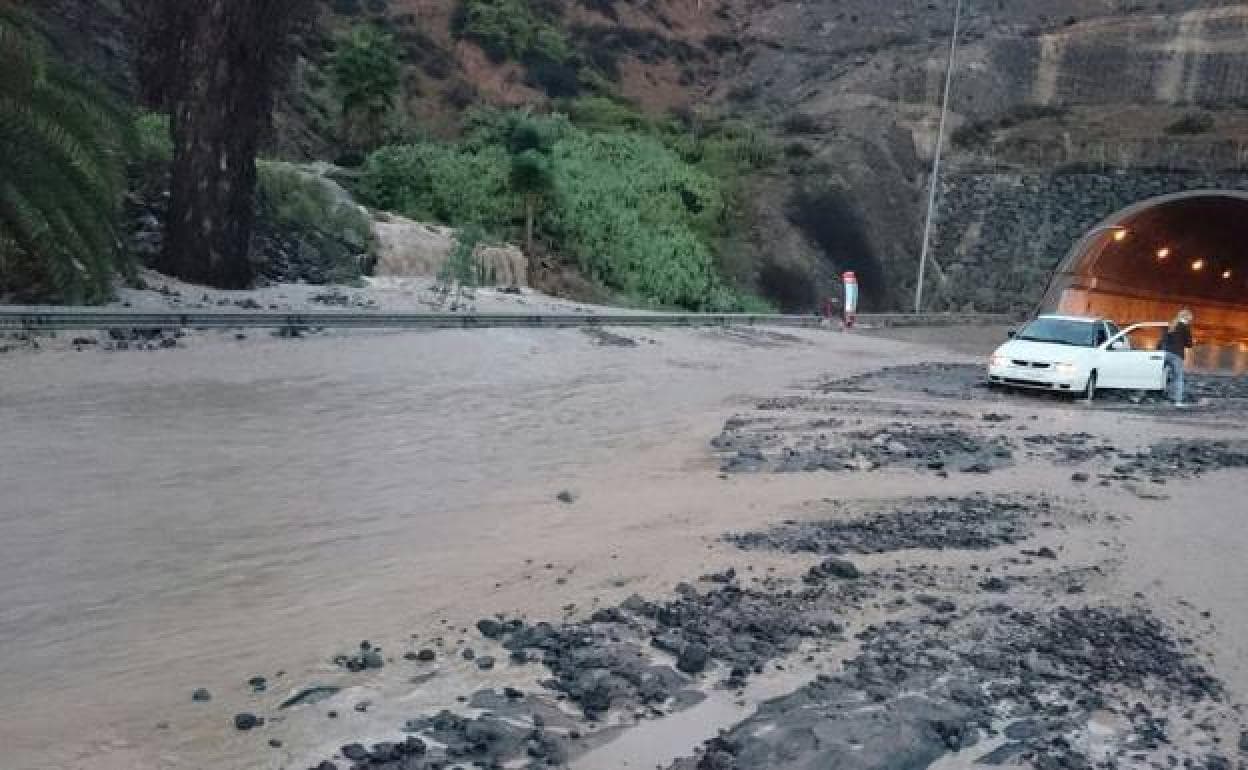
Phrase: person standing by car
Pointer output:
(1176, 342)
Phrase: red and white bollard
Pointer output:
(851, 298)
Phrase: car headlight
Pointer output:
(1064, 368)
(999, 361)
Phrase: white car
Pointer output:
(1078, 355)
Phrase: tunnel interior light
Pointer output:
(1198, 265)
(1226, 274)
(1120, 234)
(1163, 253)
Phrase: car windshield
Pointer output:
(1060, 331)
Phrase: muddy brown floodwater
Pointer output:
(195, 517)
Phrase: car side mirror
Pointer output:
(1118, 345)
(1010, 334)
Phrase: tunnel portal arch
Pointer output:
(1148, 260)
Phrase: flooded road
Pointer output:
(196, 517)
(179, 519)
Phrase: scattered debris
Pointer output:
(977, 522)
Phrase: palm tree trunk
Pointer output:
(223, 59)
(530, 212)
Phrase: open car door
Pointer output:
(1123, 364)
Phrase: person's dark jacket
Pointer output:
(1177, 340)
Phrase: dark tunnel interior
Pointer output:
(828, 217)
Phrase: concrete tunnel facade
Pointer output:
(1152, 258)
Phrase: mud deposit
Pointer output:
(1012, 659)
(642, 659)
(1069, 448)
(1183, 459)
(1002, 662)
(1069, 688)
(933, 379)
(979, 522)
(939, 448)
(995, 677)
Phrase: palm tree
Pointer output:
(62, 172)
(367, 76)
(530, 143)
(531, 177)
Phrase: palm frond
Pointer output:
(62, 171)
(22, 55)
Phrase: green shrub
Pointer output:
(631, 212)
(441, 183)
(639, 204)
(509, 29)
(331, 240)
(463, 267)
(598, 113)
(749, 303)
(528, 32)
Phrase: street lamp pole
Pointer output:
(940, 146)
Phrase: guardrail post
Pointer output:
(291, 328)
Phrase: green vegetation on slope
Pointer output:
(515, 29)
(640, 206)
(62, 174)
(528, 32)
(635, 216)
(563, 57)
(437, 182)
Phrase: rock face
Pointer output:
(856, 85)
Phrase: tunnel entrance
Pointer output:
(1153, 258)
(829, 218)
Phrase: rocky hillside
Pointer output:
(1044, 89)
(1067, 90)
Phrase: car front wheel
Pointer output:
(1089, 390)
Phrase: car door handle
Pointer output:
(1156, 358)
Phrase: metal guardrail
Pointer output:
(49, 319)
